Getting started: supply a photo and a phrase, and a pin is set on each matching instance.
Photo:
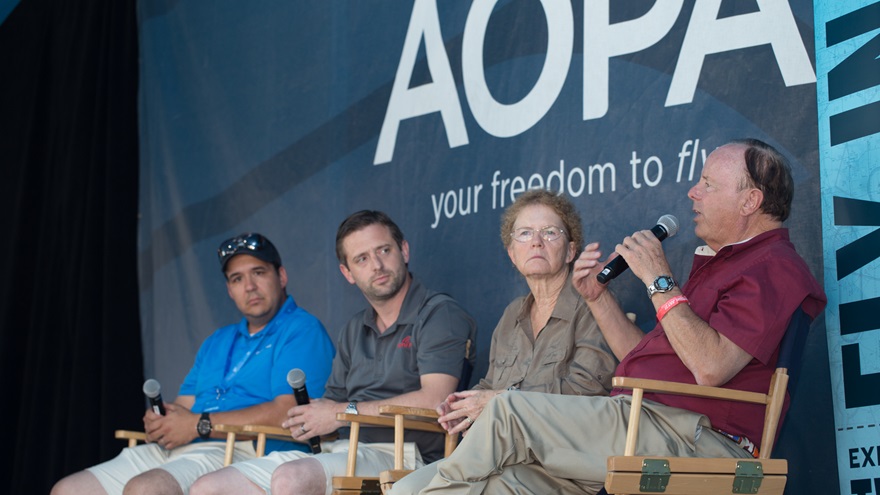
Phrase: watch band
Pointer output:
(663, 283)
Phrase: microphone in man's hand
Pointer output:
(296, 378)
(667, 226)
(153, 392)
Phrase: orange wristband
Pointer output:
(675, 301)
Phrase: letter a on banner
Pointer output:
(437, 96)
(773, 23)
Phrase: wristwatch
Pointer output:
(352, 407)
(203, 427)
(663, 283)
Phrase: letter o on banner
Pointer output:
(502, 120)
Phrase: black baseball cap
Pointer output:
(250, 243)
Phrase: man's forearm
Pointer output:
(712, 358)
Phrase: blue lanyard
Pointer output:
(230, 374)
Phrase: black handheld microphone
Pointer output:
(152, 391)
(667, 226)
(296, 378)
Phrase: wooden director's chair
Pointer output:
(632, 474)
(401, 418)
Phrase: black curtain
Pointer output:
(70, 345)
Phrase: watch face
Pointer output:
(664, 283)
(204, 427)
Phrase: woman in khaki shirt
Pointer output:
(546, 341)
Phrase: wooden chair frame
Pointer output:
(401, 418)
(632, 474)
(133, 437)
(260, 433)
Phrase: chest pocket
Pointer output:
(505, 368)
(554, 363)
(553, 357)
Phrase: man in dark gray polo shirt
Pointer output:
(407, 348)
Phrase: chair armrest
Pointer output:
(261, 433)
(252, 431)
(273, 432)
(388, 421)
(412, 413)
(689, 389)
(133, 437)
(130, 435)
(237, 429)
(278, 433)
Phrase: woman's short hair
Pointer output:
(561, 205)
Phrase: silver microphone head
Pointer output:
(670, 223)
(152, 388)
(296, 378)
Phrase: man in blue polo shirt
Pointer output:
(239, 377)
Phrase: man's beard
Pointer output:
(389, 289)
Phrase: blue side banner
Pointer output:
(848, 93)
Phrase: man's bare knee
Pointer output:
(81, 482)
(154, 481)
(299, 477)
(226, 480)
(207, 485)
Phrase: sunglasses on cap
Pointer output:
(247, 244)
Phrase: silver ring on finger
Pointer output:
(469, 420)
(302, 428)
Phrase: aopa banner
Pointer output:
(284, 117)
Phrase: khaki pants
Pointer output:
(542, 443)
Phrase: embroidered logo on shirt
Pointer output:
(406, 343)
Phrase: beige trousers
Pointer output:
(527, 442)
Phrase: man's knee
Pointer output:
(302, 476)
(154, 481)
(208, 484)
(504, 406)
(64, 486)
(226, 480)
(81, 482)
